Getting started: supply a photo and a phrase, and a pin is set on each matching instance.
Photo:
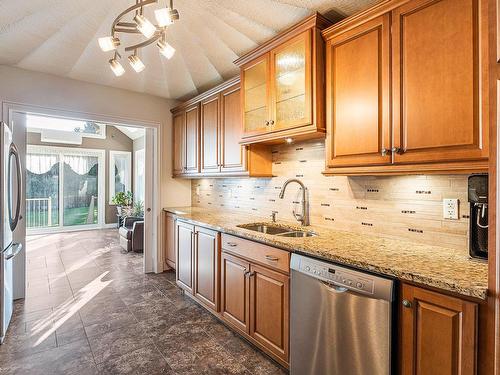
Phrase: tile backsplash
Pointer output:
(396, 206)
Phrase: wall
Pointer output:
(115, 140)
(49, 91)
(405, 206)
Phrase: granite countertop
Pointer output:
(435, 266)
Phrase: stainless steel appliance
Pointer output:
(478, 222)
(10, 193)
(340, 320)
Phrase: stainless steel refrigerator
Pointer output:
(10, 207)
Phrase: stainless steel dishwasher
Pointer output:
(340, 320)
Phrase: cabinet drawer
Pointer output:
(263, 254)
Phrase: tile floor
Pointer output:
(90, 310)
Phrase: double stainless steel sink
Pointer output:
(276, 230)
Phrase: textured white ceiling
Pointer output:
(60, 37)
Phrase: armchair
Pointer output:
(132, 234)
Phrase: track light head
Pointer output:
(136, 63)
(166, 49)
(144, 26)
(108, 43)
(116, 67)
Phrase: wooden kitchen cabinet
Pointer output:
(438, 333)
(169, 253)
(235, 292)
(433, 117)
(184, 247)
(358, 89)
(255, 292)
(186, 141)
(208, 142)
(198, 259)
(206, 267)
(179, 143)
(269, 309)
(282, 85)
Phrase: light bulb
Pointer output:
(163, 17)
(166, 49)
(136, 63)
(108, 43)
(116, 67)
(144, 26)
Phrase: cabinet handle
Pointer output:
(232, 244)
(272, 258)
(272, 122)
(267, 123)
(407, 303)
(383, 152)
(250, 274)
(246, 273)
(397, 150)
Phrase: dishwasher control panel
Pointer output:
(338, 275)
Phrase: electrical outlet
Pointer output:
(450, 209)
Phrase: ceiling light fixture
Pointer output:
(136, 63)
(137, 23)
(115, 66)
(166, 49)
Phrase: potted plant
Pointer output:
(121, 200)
(136, 210)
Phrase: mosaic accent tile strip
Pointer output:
(408, 207)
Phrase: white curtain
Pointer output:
(40, 163)
(80, 164)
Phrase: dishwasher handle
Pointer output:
(334, 288)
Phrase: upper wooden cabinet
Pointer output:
(207, 131)
(438, 333)
(407, 91)
(186, 140)
(283, 85)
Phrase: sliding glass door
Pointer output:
(64, 187)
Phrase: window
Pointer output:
(63, 187)
(120, 172)
(64, 130)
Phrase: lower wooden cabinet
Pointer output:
(198, 259)
(169, 247)
(269, 309)
(235, 292)
(206, 267)
(184, 246)
(438, 333)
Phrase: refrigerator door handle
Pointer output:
(16, 249)
(15, 153)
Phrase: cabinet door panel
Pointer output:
(438, 334)
(206, 270)
(269, 305)
(192, 139)
(358, 90)
(291, 88)
(234, 291)
(170, 240)
(254, 82)
(210, 135)
(184, 262)
(179, 143)
(437, 81)
(233, 155)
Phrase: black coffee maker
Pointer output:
(478, 224)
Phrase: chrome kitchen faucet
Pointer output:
(303, 218)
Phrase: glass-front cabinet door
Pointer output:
(291, 83)
(256, 96)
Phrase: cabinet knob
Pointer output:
(272, 122)
(232, 244)
(267, 123)
(396, 150)
(383, 152)
(407, 303)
